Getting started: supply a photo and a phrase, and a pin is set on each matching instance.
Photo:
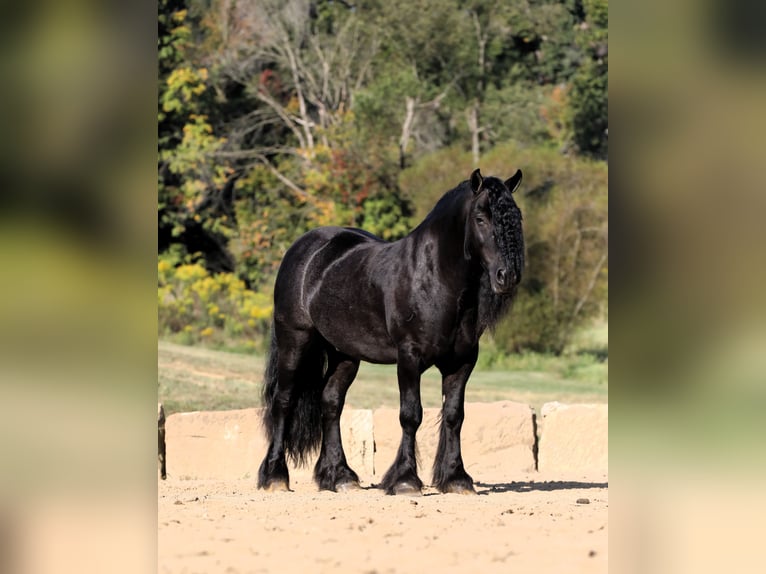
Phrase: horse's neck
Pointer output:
(445, 223)
(443, 233)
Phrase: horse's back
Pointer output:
(305, 262)
(319, 247)
(325, 283)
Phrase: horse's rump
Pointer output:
(326, 283)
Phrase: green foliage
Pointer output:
(543, 46)
(182, 87)
(597, 12)
(380, 106)
(190, 169)
(196, 307)
(589, 109)
(433, 175)
(385, 216)
(352, 182)
(430, 37)
(517, 112)
(590, 87)
(270, 217)
(532, 325)
(192, 161)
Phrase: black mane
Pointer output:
(492, 307)
(506, 218)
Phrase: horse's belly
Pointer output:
(358, 339)
(365, 348)
(350, 324)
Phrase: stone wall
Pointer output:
(499, 440)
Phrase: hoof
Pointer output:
(277, 486)
(459, 489)
(406, 489)
(349, 486)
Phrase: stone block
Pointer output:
(231, 444)
(574, 439)
(496, 437)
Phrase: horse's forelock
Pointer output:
(506, 220)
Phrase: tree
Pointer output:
(589, 93)
(194, 181)
(301, 63)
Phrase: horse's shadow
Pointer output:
(484, 488)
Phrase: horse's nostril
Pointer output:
(501, 276)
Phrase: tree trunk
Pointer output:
(473, 125)
(409, 118)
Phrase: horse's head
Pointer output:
(493, 230)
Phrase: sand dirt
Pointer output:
(532, 523)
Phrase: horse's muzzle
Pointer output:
(503, 281)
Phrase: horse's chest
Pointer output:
(444, 331)
(466, 333)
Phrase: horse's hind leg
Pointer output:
(285, 364)
(332, 471)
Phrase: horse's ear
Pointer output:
(476, 180)
(513, 182)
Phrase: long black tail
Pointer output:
(303, 418)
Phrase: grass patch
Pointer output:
(196, 378)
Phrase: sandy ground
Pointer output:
(533, 524)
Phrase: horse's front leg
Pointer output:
(402, 477)
(449, 473)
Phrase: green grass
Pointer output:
(195, 378)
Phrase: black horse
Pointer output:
(343, 295)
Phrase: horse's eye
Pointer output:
(480, 220)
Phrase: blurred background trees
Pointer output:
(277, 116)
